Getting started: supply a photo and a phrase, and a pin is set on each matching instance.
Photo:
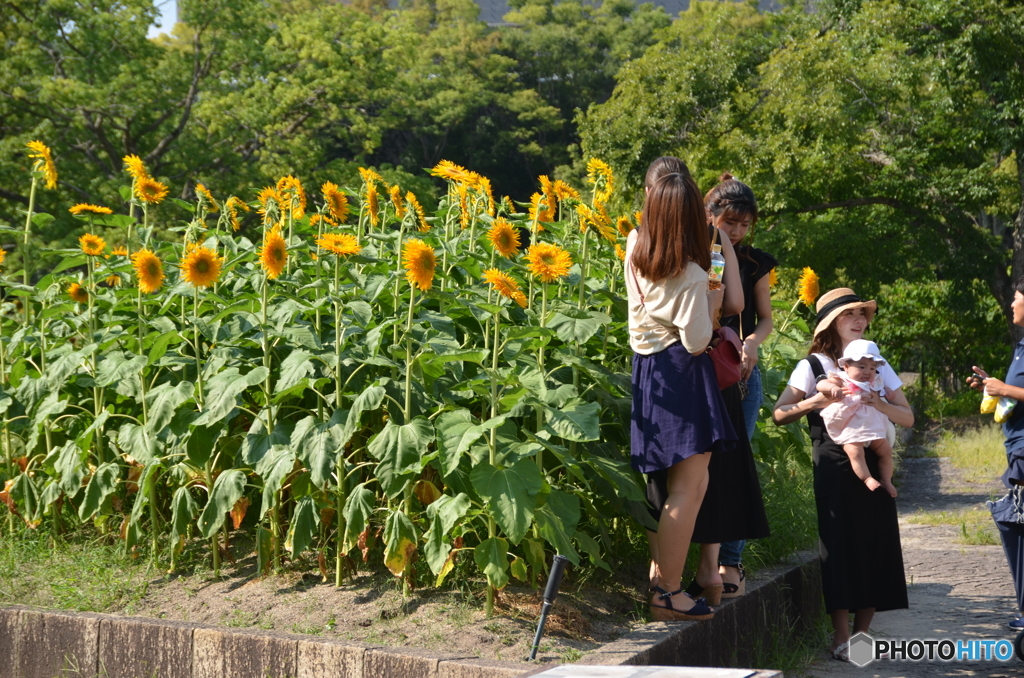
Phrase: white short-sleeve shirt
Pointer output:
(802, 378)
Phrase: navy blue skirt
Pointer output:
(678, 410)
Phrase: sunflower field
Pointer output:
(337, 374)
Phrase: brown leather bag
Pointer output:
(726, 350)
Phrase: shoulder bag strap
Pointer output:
(815, 424)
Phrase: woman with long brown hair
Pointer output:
(678, 414)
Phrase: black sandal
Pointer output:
(712, 593)
(699, 612)
(735, 590)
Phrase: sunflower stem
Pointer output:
(408, 356)
(398, 272)
(25, 259)
(198, 350)
(208, 467)
(493, 443)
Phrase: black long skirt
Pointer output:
(733, 508)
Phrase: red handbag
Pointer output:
(726, 350)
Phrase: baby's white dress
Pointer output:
(850, 421)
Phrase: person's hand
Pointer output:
(994, 387)
(977, 380)
(715, 299)
(749, 360)
(834, 393)
(869, 398)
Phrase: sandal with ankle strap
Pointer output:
(736, 590)
(699, 612)
(713, 592)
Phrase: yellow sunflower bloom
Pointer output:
(291, 191)
(395, 195)
(638, 217)
(535, 210)
(113, 280)
(505, 285)
(418, 208)
(270, 204)
(484, 185)
(808, 286)
(564, 191)
(232, 205)
(205, 197)
(624, 226)
(315, 219)
(44, 162)
(93, 245)
(82, 208)
(619, 252)
(463, 193)
(3, 255)
(773, 278)
(120, 251)
(600, 175)
(548, 262)
(450, 171)
(135, 167)
(336, 201)
(148, 270)
(274, 253)
(596, 219)
(418, 260)
(504, 237)
(372, 205)
(342, 244)
(547, 187)
(78, 293)
(201, 266)
(150, 191)
(369, 176)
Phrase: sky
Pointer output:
(169, 14)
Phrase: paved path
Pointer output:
(956, 591)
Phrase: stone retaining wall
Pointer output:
(51, 644)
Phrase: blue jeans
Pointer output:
(752, 403)
(731, 552)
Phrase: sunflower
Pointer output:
(201, 266)
(564, 191)
(315, 219)
(336, 201)
(44, 162)
(274, 253)
(369, 176)
(504, 237)
(342, 244)
(418, 208)
(597, 219)
(548, 262)
(484, 184)
(93, 245)
(773, 278)
(3, 255)
(372, 206)
(600, 175)
(78, 293)
(232, 205)
(395, 195)
(535, 200)
(808, 286)
(270, 203)
(419, 261)
(292, 193)
(450, 171)
(638, 217)
(547, 187)
(505, 285)
(463, 205)
(82, 207)
(120, 251)
(135, 167)
(148, 270)
(113, 280)
(205, 197)
(150, 190)
(619, 252)
(624, 226)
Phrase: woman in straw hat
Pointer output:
(859, 537)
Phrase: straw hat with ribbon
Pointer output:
(834, 302)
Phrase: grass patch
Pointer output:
(976, 526)
(979, 453)
(76, 573)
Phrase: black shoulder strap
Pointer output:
(816, 367)
(815, 423)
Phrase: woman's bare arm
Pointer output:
(733, 302)
(792, 405)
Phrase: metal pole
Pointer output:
(550, 593)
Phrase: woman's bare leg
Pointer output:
(652, 544)
(840, 628)
(687, 482)
(707, 566)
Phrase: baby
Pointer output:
(851, 423)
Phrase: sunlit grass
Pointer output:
(979, 453)
(975, 523)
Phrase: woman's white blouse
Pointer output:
(673, 309)
(802, 378)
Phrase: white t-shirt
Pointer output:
(802, 378)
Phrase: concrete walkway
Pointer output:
(957, 591)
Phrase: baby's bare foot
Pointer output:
(872, 484)
(890, 488)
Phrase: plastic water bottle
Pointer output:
(717, 267)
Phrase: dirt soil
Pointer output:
(956, 591)
(370, 609)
